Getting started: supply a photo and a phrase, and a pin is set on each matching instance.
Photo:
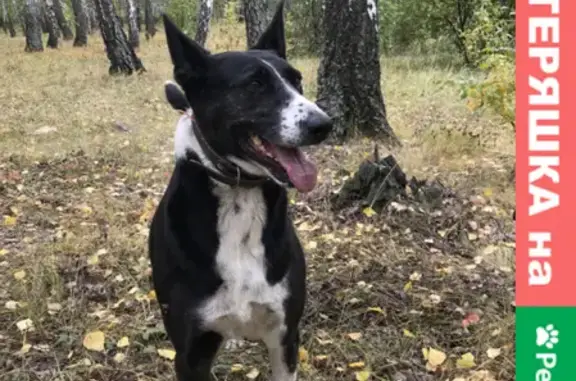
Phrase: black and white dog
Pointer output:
(226, 261)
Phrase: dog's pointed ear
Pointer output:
(190, 60)
(274, 37)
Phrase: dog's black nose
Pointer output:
(318, 126)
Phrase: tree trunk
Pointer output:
(33, 24)
(149, 19)
(92, 19)
(81, 22)
(123, 59)
(203, 21)
(349, 73)
(138, 4)
(62, 23)
(3, 16)
(255, 16)
(51, 25)
(132, 18)
(13, 17)
(271, 6)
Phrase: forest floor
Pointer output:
(85, 158)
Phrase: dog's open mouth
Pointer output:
(291, 163)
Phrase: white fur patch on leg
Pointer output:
(278, 364)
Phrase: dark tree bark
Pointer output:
(271, 6)
(349, 73)
(92, 19)
(203, 21)
(33, 24)
(123, 59)
(81, 22)
(132, 18)
(255, 17)
(51, 25)
(149, 19)
(62, 22)
(139, 14)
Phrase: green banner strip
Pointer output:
(546, 343)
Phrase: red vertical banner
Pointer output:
(545, 153)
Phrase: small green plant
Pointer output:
(490, 44)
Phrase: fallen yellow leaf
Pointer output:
(93, 260)
(407, 333)
(368, 211)
(362, 375)
(466, 361)
(123, 342)
(303, 355)
(488, 192)
(25, 349)
(253, 374)
(152, 295)
(119, 357)
(3, 252)
(355, 336)
(376, 309)
(236, 368)
(25, 325)
(408, 286)
(492, 353)
(169, 354)
(94, 341)
(312, 245)
(356, 365)
(20, 274)
(9, 221)
(436, 357)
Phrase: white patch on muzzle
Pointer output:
(292, 115)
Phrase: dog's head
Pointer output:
(249, 105)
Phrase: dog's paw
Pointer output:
(234, 344)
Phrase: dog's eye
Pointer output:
(256, 83)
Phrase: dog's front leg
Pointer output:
(283, 351)
(195, 363)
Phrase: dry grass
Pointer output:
(76, 201)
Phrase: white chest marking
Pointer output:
(245, 305)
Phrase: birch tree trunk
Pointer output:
(81, 22)
(33, 25)
(132, 18)
(203, 21)
(51, 25)
(123, 59)
(349, 73)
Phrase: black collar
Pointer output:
(226, 171)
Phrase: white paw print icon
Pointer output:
(547, 336)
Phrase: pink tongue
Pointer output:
(301, 171)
